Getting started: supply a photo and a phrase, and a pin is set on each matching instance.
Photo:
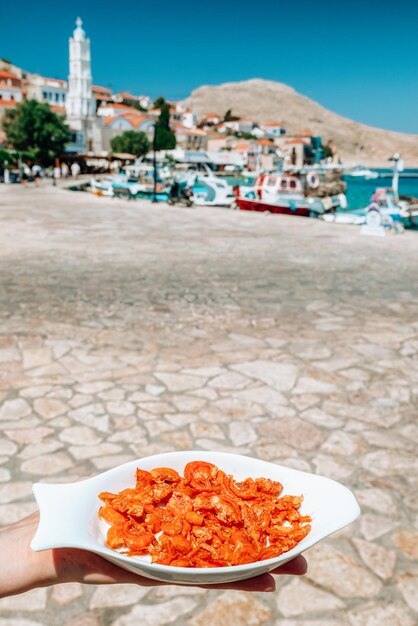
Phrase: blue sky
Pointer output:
(359, 59)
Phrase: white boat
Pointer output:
(115, 186)
(208, 189)
(361, 172)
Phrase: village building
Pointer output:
(190, 138)
(10, 87)
(52, 91)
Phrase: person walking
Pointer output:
(75, 169)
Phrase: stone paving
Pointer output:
(128, 329)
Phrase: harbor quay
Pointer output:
(130, 328)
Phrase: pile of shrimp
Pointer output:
(205, 519)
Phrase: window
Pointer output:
(292, 184)
(12, 97)
(44, 95)
(1, 96)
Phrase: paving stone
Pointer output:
(343, 444)
(157, 614)
(7, 448)
(49, 408)
(241, 433)
(180, 382)
(388, 462)
(387, 615)
(36, 357)
(339, 573)
(117, 595)
(89, 452)
(280, 376)
(120, 408)
(229, 380)
(407, 542)
(332, 467)
(47, 464)
(35, 392)
(378, 559)
(407, 584)
(205, 429)
(17, 621)
(321, 418)
(375, 526)
(14, 491)
(34, 600)
(39, 449)
(91, 415)
(307, 384)
(299, 597)
(233, 607)
(294, 432)
(14, 409)
(4, 475)
(85, 619)
(80, 435)
(376, 499)
(66, 592)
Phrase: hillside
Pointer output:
(265, 100)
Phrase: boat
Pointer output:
(290, 195)
(118, 185)
(391, 208)
(208, 189)
(359, 171)
(123, 185)
(385, 211)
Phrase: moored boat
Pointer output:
(289, 195)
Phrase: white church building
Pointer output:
(80, 103)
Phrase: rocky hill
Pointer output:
(265, 100)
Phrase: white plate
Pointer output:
(69, 513)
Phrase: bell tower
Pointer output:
(80, 104)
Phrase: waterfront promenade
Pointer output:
(128, 329)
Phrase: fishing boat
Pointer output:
(289, 195)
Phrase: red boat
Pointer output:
(281, 193)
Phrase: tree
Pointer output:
(36, 130)
(159, 102)
(132, 141)
(228, 117)
(165, 139)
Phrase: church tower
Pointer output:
(81, 104)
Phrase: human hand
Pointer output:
(22, 569)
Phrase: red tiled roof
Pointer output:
(4, 74)
(8, 103)
(57, 109)
(297, 140)
(56, 80)
(119, 105)
(102, 89)
(125, 95)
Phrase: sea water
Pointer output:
(360, 190)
